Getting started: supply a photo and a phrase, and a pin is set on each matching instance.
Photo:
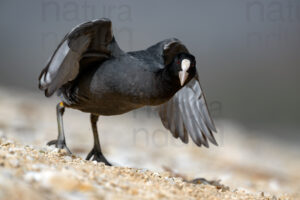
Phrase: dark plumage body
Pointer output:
(119, 85)
(91, 73)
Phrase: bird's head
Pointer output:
(183, 67)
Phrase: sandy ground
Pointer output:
(149, 163)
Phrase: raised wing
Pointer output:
(90, 42)
(187, 113)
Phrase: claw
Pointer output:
(60, 145)
(52, 142)
(97, 156)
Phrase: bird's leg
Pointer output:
(61, 141)
(96, 151)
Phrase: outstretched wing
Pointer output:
(187, 113)
(90, 42)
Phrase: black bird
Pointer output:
(91, 73)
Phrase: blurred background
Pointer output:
(247, 53)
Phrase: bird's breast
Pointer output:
(118, 87)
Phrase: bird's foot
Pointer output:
(97, 156)
(61, 144)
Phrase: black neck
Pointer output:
(170, 82)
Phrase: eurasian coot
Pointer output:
(91, 73)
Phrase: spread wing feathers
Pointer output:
(187, 112)
(89, 42)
